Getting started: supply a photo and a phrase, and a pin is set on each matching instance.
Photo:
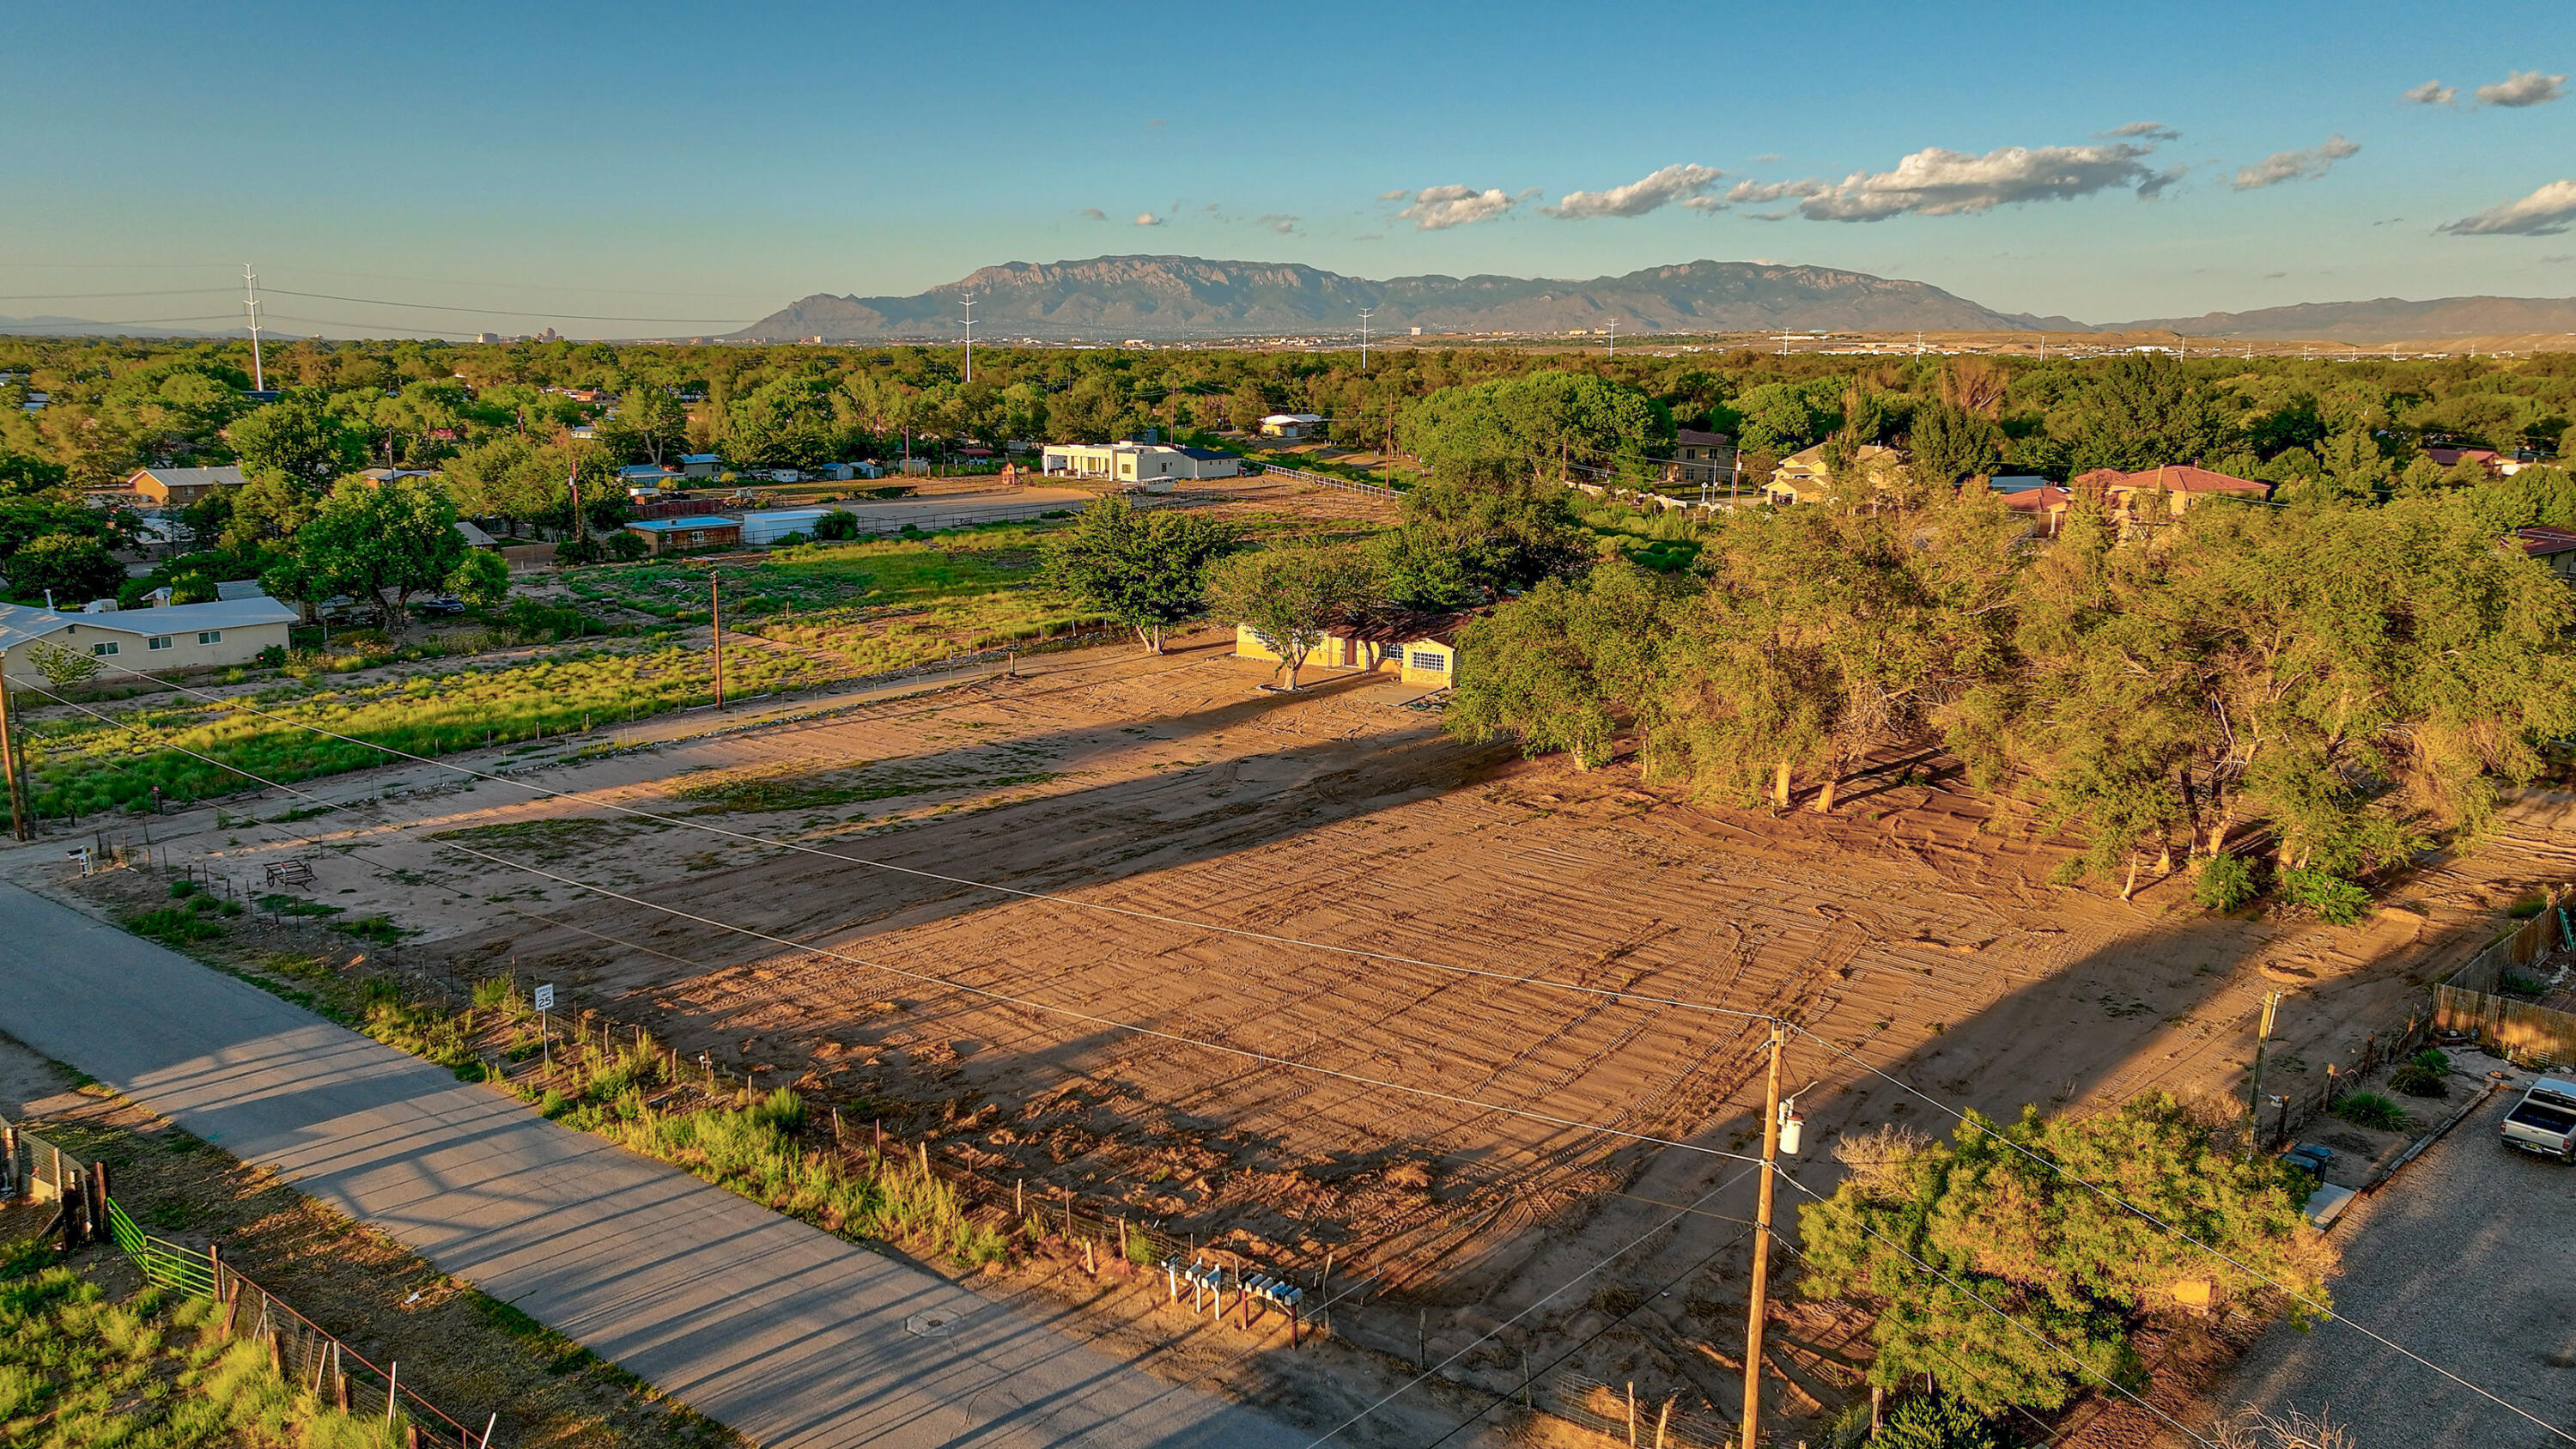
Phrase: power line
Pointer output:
(501, 312)
(1393, 958)
(1109, 1023)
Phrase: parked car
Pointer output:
(2544, 1121)
(439, 606)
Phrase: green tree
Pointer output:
(481, 577)
(63, 666)
(1947, 1238)
(650, 425)
(1146, 569)
(1290, 593)
(1564, 666)
(1535, 426)
(386, 541)
(297, 438)
(2139, 411)
(70, 568)
(1950, 443)
(1466, 541)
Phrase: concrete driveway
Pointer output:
(2468, 1258)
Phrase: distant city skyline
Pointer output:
(681, 170)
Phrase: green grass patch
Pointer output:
(79, 1370)
(90, 766)
(173, 925)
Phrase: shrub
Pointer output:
(274, 656)
(373, 928)
(2337, 902)
(2223, 883)
(1935, 1422)
(2371, 1110)
(2419, 1081)
(2528, 907)
(173, 926)
(2433, 1059)
(180, 890)
(2514, 983)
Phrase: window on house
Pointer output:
(1425, 659)
(210, 636)
(107, 648)
(157, 641)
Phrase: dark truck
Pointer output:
(2544, 1121)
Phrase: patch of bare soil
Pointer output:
(462, 1351)
(1060, 928)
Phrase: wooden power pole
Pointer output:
(2254, 1088)
(19, 825)
(1762, 1246)
(715, 616)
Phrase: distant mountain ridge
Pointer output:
(2382, 319)
(1173, 297)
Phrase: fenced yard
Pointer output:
(305, 1356)
(2475, 999)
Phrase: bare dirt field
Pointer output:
(1452, 1017)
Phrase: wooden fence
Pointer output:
(1326, 480)
(304, 1355)
(2524, 1031)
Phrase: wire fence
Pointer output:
(1326, 480)
(304, 1355)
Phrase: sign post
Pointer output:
(545, 1003)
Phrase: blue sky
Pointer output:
(704, 164)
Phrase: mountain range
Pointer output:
(1172, 298)
(1166, 298)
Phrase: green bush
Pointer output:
(173, 926)
(2416, 1080)
(1934, 1422)
(2514, 983)
(2223, 883)
(2371, 1110)
(2337, 902)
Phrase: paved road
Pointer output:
(2466, 1258)
(784, 1332)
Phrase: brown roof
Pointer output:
(2181, 478)
(1406, 628)
(1693, 437)
(2540, 540)
(2037, 500)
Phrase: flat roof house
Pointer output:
(1128, 461)
(175, 636)
(1293, 426)
(180, 487)
(703, 530)
(700, 465)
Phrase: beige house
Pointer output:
(180, 487)
(175, 636)
(1701, 457)
(1805, 476)
(1145, 464)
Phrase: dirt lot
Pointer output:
(1156, 800)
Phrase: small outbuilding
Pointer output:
(676, 535)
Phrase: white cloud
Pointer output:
(1767, 158)
(2524, 88)
(1757, 192)
(1095, 213)
(1437, 208)
(2431, 93)
(1682, 182)
(2283, 166)
(2550, 211)
(2140, 130)
(1937, 182)
(1147, 218)
(1396, 195)
(1282, 224)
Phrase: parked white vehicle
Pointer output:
(2544, 1121)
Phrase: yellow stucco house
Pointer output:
(1418, 648)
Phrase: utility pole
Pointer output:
(715, 616)
(18, 824)
(1364, 334)
(970, 340)
(1918, 344)
(1614, 337)
(1762, 1246)
(2254, 1091)
(250, 300)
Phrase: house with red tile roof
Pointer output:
(2181, 484)
(2555, 547)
